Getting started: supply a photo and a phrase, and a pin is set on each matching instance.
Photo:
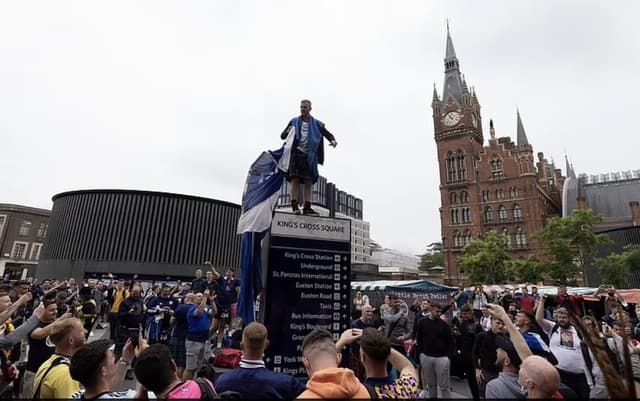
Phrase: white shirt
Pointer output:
(565, 346)
(304, 137)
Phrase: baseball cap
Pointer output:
(507, 346)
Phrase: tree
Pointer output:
(617, 267)
(571, 243)
(527, 270)
(429, 260)
(486, 260)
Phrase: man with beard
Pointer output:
(465, 329)
(569, 349)
(505, 386)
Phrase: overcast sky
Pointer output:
(183, 96)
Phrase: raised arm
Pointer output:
(540, 315)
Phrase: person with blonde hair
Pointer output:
(53, 379)
(252, 379)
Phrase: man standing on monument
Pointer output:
(307, 153)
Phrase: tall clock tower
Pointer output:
(458, 134)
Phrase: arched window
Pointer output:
(467, 237)
(496, 167)
(456, 167)
(521, 238)
(457, 239)
(464, 197)
(506, 234)
(486, 196)
(488, 214)
(517, 213)
(502, 214)
(455, 216)
(466, 215)
(453, 198)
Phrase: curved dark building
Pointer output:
(152, 234)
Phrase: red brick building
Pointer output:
(499, 186)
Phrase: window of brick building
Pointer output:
(502, 214)
(42, 230)
(25, 228)
(521, 238)
(464, 197)
(455, 216)
(496, 168)
(19, 251)
(35, 251)
(453, 198)
(488, 214)
(466, 215)
(517, 213)
(486, 196)
(3, 219)
(456, 167)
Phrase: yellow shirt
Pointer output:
(117, 300)
(58, 382)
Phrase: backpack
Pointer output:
(58, 361)
(206, 391)
(227, 358)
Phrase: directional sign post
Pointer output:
(307, 285)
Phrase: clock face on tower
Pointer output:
(451, 118)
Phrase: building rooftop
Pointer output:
(8, 207)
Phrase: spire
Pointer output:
(522, 136)
(435, 93)
(451, 51)
(569, 168)
(452, 79)
(491, 130)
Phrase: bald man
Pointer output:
(252, 379)
(539, 378)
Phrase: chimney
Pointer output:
(582, 203)
(635, 212)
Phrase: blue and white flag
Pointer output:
(259, 199)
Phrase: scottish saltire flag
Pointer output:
(258, 201)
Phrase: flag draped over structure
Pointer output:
(258, 202)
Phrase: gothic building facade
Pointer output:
(497, 186)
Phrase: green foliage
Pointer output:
(617, 267)
(429, 260)
(487, 261)
(527, 270)
(571, 243)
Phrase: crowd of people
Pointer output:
(512, 345)
(475, 336)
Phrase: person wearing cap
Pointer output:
(567, 346)
(505, 386)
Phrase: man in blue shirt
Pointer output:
(228, 290)
(198, 332)
(252, 379)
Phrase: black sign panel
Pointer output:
(308, 285)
